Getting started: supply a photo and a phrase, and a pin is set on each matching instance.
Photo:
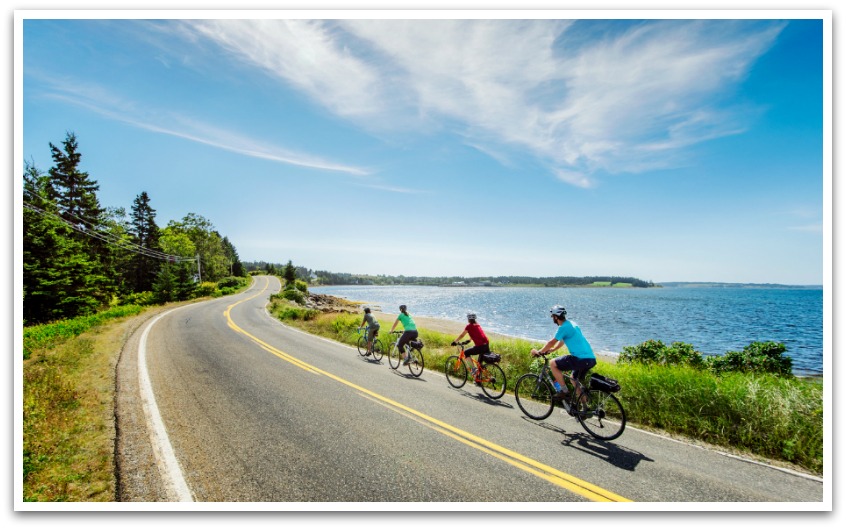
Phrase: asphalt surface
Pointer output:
(259, 412)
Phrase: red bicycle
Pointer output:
(489, 376)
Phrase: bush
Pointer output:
(206, 288)
(138, 298)
(301, 285)
(655, 352)
(293, 295)
(297, 313)
(230, 282)
(757, 357)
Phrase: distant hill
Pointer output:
(705, 284)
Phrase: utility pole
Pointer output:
(199, 274)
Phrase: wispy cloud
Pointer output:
(616, 101)
(111, 106)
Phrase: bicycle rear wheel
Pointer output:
(377, 350)
(603, 416)
(534, 396)
(456, 372)
(394, 357)
(362, 345)
(416, 364)
(492, 378)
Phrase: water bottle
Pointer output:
(557, 386)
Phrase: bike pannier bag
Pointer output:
(491, 358)
(604, 383)
(416, 344)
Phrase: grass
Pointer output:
(765, 415)
(68, 417)
(68, 405)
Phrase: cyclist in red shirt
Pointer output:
(481, 345)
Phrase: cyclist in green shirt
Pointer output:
(410, 331)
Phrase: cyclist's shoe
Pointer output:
(477, 381)
(406, 360)
(368, 353)
(561, 396)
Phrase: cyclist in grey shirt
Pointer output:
(372, 327)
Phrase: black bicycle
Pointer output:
(593, 404)
(412, 354)
(375, 346)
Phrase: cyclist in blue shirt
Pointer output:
(581, 357)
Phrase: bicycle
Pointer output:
(395, 356)
(595, 407)
(489, 376)
(375, 347)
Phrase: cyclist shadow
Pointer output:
(484, 399)
(619, 456)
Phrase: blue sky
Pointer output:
(669, 150)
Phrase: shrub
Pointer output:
(655, 352)
(301, 285)
(206, 288)
(294, 295)
(230, 282)
(297, 313)
(757, 357)
(138, 298)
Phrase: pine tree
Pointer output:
(74, 192)
(145, 233)
(290, 275)
(59, 278)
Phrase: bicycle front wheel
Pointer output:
(456, 371)
(492, 378)
(377, 350)
(362, 345)
(416, 364)
(534, 396)
(603, 416)
(394, 357)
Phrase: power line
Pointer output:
(110, 238)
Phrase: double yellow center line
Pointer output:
(552, 475)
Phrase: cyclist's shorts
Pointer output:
(372, 333)
(579, 366)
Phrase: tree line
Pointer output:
(331, 278)
(80, 257)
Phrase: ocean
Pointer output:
(713, 320)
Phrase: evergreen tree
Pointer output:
(145, 233)
(60, 279)
(236, 268)
(73, 191)
(290, 274)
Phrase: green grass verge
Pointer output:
(772, 417)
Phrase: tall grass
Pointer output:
(774, 417)
(51, 334)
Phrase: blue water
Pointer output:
(713, 320)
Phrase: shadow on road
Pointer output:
(619, 456)
(484, 399)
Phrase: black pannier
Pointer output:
(416, 344)
(491, 358)
(598, 381)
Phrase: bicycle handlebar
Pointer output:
(461, 343)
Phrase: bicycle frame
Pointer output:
(574, 385)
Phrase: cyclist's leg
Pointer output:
(477, 362)
(406, 337)
(582, 366)
(558, 366)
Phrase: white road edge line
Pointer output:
(166, 460)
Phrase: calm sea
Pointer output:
(714, 320)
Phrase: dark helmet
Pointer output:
(559, 311)
(471, 316)
(367, 310)
(403, 308)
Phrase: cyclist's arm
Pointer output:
(552, 345)
(394, 326)
(460, 336)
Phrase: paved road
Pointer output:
(256, 411)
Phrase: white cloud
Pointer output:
(109, 105)
(621, 101)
